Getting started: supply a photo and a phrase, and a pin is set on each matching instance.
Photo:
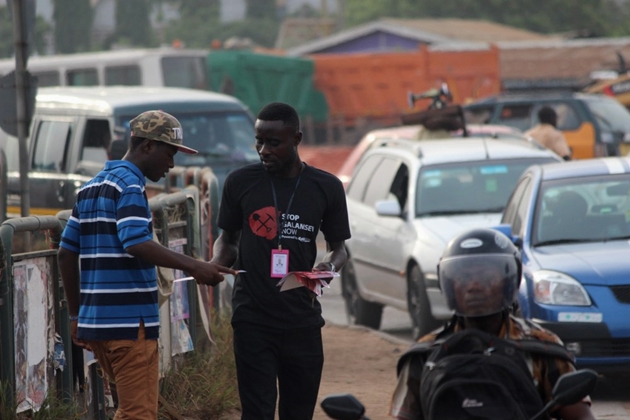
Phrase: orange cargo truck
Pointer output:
(375, 86)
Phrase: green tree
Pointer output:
(6, 34)
(73, 23)
(261, 9)
(133, 24)
(594, 17)
(199, 24)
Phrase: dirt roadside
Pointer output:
(361, 362)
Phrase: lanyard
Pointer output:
(275, 204)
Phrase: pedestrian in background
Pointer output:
(107, 259)
(270, 214)
(546, 133)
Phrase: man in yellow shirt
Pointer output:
(548, 135)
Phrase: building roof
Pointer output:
(297, 31)
(561, 59)
(469, 30)
(425, 31)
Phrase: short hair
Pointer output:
(279, 111)
(135, 142)
(547, 115)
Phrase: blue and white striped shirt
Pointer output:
(117, 290)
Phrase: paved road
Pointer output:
(611, 400)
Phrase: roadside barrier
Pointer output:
(209, 198)
(37, 353)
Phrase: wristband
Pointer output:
(332, 266)
(74, 318)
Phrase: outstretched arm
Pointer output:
(204, 273)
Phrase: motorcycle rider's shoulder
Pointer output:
(527, 329)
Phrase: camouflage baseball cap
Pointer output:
(159, 126)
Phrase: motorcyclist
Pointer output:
(479, 275)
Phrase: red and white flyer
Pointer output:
(313, 280)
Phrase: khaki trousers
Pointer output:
(133, 366)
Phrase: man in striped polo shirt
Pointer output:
(108, 259)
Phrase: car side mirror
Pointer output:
(390, 208)
(506, 229)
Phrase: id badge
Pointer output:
(279, 263)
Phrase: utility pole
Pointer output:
(21, 55)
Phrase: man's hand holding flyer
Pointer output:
(313, 280)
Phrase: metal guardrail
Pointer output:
(31, 290)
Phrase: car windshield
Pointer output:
(220, 137)
(469, 187)
(582, 210)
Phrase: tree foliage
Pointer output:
(197, 25)
(42, 29)
(261, 9)
(73, 22)
(6, 33)
(133, 24)
(200, 25)
(592, 17)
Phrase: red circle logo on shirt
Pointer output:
(263, 222)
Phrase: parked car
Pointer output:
(572, 222)
(593, 125)
(378, 137)
(405, 201)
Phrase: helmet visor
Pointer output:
(479, 285)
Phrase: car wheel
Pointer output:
(422, 320)
(358, 310)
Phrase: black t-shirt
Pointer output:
(247, 205)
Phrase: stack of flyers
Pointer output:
(313, 280)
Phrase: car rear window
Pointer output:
(469, 187)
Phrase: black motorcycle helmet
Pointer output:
(480, 273)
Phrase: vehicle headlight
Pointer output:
(555, 288)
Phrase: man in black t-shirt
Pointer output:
(270, 215)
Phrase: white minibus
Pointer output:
(171, 67)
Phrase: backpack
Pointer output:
(475, 375)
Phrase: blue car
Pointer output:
(572, 223)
